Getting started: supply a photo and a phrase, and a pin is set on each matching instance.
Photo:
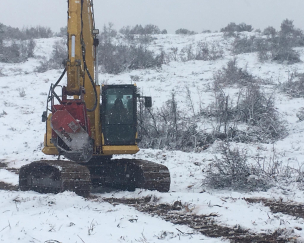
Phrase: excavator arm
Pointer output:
(73, 124)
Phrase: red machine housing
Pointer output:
(71, 129)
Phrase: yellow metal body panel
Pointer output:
(97, 121)
(80, 37)
(50, 151)
(126, 149)
(49, 147)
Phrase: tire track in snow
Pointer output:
(205, 224)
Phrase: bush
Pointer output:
(203, 51)
(232, 170)
(294, 87)
(168, 128)
(62, 32)
(37, 32)
(253, 108)
(117, 58)
(231, 74)
(108, 33)
(31, 47)
(18, 45)
(244, 45)
(187, 53)
(279, 45)
(257, 110)
(185, 32)
(58, 56)
(17, 52)
(149, 29)
(282, 51)
(231, 28)
(43, 66)
(263, 48)
(270, 32)
(208, 52)
(9, 32)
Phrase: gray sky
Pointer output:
(197, 15)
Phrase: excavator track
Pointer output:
(128, 174)
(54, 176)
(51, 176)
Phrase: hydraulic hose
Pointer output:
(85, 64)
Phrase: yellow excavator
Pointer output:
(86, 131)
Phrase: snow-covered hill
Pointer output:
(66, 217)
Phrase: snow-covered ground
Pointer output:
(66, 217)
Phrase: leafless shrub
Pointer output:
(184, 32)
(232, 170)
(294, 86)
(257, 109)
(91, 227)
(263, 47)
(166, 235)
(273, 170)
(223, 111)
(31, 44)
(117, 58)
(1, 72)
(300, 174)
(274, 46)
(3, 114)
(21, 92)
(232, 29)
(270, 32)
(187, 53)
(243, 45)
(208, 52)
(174, 53)
(168, 127)
(59, 55)
(203, 51)
(300, 114)
(231, 74)
(254, 108)
(149, 29)
(43, 66)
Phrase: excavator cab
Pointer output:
(119, 114)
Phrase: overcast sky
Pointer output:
(197, 15)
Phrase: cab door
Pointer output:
(119, 114)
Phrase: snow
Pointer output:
(8, 177)
(66, 217)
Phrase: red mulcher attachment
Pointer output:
(71, 129)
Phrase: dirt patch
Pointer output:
(290, 208)
(7, 186)
(2, 164)
(205, 224)
(14, 170)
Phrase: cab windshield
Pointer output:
(119, 106)
(119, 114)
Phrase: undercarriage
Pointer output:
(54, 176)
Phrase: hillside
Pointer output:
(269, 207)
